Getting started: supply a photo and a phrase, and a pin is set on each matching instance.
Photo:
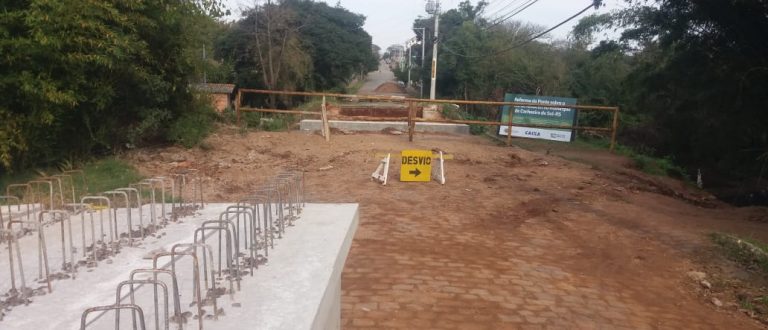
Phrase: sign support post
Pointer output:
(509, 129)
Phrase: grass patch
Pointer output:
(110, 173)
(750, 253)
(101, 175)
(641, 160)
(193, 126)
(453, 112)
(354, 87)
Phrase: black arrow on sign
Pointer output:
(415, 172)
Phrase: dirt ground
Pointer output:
(515, 239)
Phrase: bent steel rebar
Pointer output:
(42, 250)
(174, 288)
(114, 194)
(63, 217)
(117, 309)
(207, 252)
(35, 183)
(9, 236)
(253, 246)
(102, 201)
(28, 192)
(82, 176)
(71, 185)
(8, 200)
(27, 196)
(155, 284)
(261, 201)
(56, 182)
(171, 184)
(229, 244)
(196, 291)
(138, 204)
(154, 181)
(152, 208)
(270, 195)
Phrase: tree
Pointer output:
(312, 46)
(90, 76)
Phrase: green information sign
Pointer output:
(533, 115)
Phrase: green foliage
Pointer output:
(750, 253)
(297, 45)
(278, 122)
(266, 122)
(101, 175)
(85, 77)
(452, 111)
(109, 173)
(193, 126)
(642, 159)
(657, 166)
(700, 81)
(689, 76)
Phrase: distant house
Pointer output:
(221, 94)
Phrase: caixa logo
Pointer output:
(532, 133)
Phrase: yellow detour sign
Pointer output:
(416, 165)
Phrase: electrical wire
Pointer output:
(501, 9)
(517, 45)
(513, 13)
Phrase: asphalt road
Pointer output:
(376, 78)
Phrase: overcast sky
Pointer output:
(390, 21)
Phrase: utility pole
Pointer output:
(421, 67)
(408, 44)
(433, 7)
(205, 73)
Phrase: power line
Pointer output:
(539, 35)
(514, 13)
(501, 9)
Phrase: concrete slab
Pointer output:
(299, 288)
(376, 126)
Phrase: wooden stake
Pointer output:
(237, 106)
(509, 128)
(411, 122)
(326, 127)
(614, 128)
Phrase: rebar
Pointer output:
(50, 192)
(171, 183)
(174, 287)
(117, 308)
(63, 217)
(127, 210)
(162, 195)
(42, 251)
(101, 217)
(10, 210)
(138, 203)
(82, 176)
(152, 210)
(229, 261)
(9, 236)
(71, 185)
(59, 185)
(253, 234)
(196, 276)
(155, 284)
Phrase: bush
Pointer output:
(193, 127)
